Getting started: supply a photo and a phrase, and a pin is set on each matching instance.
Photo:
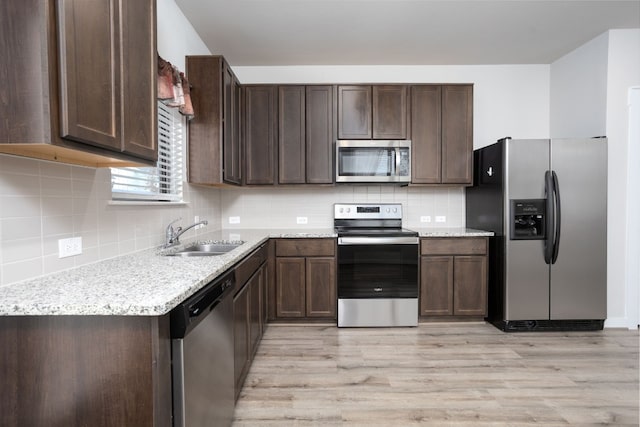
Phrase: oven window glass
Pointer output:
(378, 271)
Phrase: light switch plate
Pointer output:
(425, 218)
(301, 219)
(234, 220)
(441, 218)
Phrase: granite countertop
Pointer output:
(452, 232)
(147, 283)
(143, 283)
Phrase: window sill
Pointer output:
(144, 203)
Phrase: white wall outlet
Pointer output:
(69, 247)
(425, 218)
(441, 218)
(234, 220)
(301, 220)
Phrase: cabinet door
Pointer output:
(260, 104)
(320, 134)
(436, 285)
(255, 312)
(232, 154)
(291, 135)
(241, 353)
(426, 147)
(205, 162)
(108, 74)
(457, 134)
(390, 112)
(290, 287)
(470, 284)
(321, 287)
(138, 41)
(90, 79)
(354, 112)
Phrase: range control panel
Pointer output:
(527, 219)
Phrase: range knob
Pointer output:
(395, 210)
(388, 210)
(341, 210)
(348, 210)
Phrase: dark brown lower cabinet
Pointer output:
(85, 371)
(247, 324)
(305, 279)
(453, 277)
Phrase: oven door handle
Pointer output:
(399, 240)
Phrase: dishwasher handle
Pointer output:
(209, 300)
(194, 309)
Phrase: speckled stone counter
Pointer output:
(452, 232)
(144, 283)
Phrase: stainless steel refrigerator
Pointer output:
(546, 202)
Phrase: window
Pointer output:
(160, 183)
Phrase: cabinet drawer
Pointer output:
(249, 265)
(453, 246)
(305, 247)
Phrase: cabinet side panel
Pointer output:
(24, 29)
(82, 370)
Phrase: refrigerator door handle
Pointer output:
(549, 220)
(558, 216)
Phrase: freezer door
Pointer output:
(579, 275)
(527, 275)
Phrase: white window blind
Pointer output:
(163, 182)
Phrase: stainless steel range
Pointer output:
(377, 266)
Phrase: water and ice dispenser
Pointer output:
(527, 219)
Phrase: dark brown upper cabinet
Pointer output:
(260, 109)
(442, 134)
(306, 133)
(215, 155)
(378, 112)
(83, 81)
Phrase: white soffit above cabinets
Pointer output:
(402, 32)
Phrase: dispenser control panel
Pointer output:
(527, 219)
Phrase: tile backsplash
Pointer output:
(42, 202)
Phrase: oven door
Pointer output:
(382, 267)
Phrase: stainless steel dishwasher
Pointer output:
(202, 356)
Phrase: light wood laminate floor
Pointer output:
(467, 374)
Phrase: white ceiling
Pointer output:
(402, 32)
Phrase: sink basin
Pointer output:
(206, 249)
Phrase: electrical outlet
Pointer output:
(425, 218)
(69, 247)
(234, 237)
(301, 220)
(441, 218)
(234, 220)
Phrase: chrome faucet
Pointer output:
(172, 237)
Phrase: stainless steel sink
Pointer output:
(206, 249)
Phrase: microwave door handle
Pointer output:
(396, 155)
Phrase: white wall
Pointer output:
(41, 202)
(589, 96)
(579, 91)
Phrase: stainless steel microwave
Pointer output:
(373, 161)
